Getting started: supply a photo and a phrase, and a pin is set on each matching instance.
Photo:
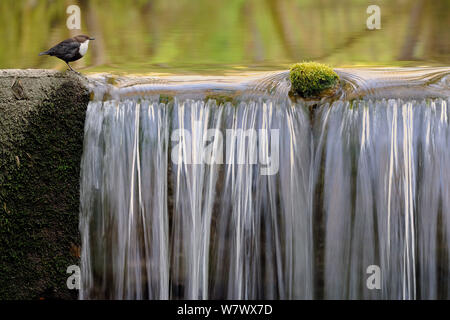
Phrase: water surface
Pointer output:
(216, 37)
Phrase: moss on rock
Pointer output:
(165, 98)
(310, 79)
(41, 139)
(220, 99)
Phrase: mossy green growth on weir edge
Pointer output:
(309, 79)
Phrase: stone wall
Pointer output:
(42, 116)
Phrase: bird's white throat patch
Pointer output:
(84, 47)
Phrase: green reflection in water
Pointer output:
(204, 36)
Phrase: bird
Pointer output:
(71, 49)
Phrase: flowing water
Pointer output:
(227, 189)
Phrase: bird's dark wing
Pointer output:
(66, 47)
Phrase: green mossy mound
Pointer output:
(310, 79)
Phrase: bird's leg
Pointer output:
(71, 68)
(69, 65)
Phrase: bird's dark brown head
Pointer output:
(82, 38)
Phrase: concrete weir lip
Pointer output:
(42, 115)
(36, 84)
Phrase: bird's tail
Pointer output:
(43, 53)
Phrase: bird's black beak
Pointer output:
(91, 38)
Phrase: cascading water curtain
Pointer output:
(225, 212)
(231, 239)
(262, 199)
(124, 219)
(386, 198)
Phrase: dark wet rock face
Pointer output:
(41, 138)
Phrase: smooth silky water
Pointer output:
(327, 189)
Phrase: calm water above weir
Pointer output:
(297, 204)
(223, 36)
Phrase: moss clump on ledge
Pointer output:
(310, 79)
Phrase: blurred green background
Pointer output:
(217, 36)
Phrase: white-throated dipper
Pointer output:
(70, 50)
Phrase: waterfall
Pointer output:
(264, 198)
(386, 193)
